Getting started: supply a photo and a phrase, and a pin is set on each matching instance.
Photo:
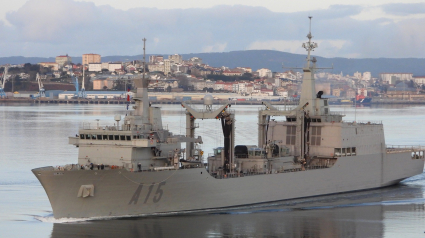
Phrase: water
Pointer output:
(33, 135)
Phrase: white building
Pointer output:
(195, 60)
(367, 76)
(156, 67)
(98, 94)
(235, 87)
(114, 66)
(419, 80)
(95, 67)
(358, 75)
(177, 59)
(105, 66)
(167, 66)
(277, 82)
(242, 87)
(391, 78)
(264, 73)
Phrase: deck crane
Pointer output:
(2, 93)
(41, 90)
(83, 93)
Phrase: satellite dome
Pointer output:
(208, 99)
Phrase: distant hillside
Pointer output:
(273, 60)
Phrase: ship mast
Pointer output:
(308, 95)
(141, 98)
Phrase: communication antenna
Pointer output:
(309, 46)
(144, 57)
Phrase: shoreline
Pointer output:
(123, 101)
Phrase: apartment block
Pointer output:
(91, 58)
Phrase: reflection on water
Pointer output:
(374, 213)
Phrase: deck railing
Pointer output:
(363, 122)
(404, 148)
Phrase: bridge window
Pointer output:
(105, 137)
(128, 137)
(99, 137)
(111, 137)
(93, 137)
(116, 137)
(122, 137)
(87, 137)
(337, 152)
(290, 135)
(82, 136)
(350, 151)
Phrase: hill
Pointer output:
(273, 60)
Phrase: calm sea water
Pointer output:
(36, 135)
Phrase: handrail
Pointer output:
(363, 122)
(404, 148)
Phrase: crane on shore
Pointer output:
(75, 82)
(41, 90)
(2, 93)
(83, 93)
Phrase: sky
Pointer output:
(47, 28)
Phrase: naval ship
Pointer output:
(137, 167)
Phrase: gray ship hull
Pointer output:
(119, 192)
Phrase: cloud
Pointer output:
(51, 27)
(404, 9)
(215, 48)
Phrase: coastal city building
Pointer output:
(114, 67)
(264, 73)
(156, 58)
(95, 67)
(176, 59)
(392, 78)
(53, 65)
(91, 58)
(63, 60)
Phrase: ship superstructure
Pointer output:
(137, 167)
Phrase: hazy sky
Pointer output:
(109, 27)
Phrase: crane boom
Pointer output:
(75, 82)
(83, 93)
(41, 90)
